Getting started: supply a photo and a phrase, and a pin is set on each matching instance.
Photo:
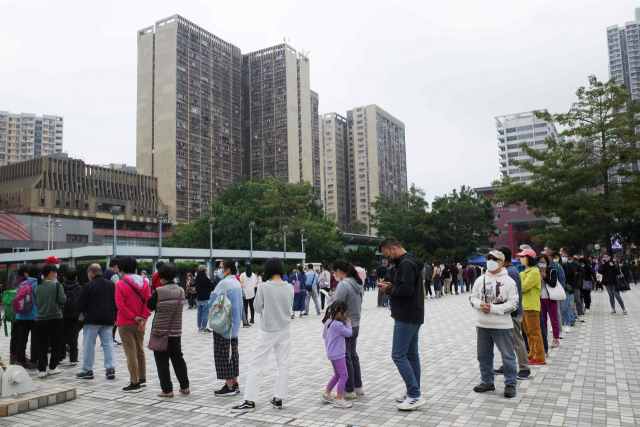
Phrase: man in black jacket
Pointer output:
(70, 316)
(406, 298)
(97, 301)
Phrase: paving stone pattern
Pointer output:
(592, 379)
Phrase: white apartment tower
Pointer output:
(26, 136)
(514, 129)
(335, 168)
(623, 44)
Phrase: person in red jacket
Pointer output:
(132, 293)
(155, 279)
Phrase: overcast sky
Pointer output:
(445, 68)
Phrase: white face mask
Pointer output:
(492, 265)
(57, 265)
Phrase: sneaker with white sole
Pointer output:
(567, 329)
(402, 397)
(54, 371)
(342, 403)
(586, 311)
(412, 403)
(42, 374)
(359, 391)
(327, 398)
(244, 407)
(347, 395)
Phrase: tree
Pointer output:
(271, 203)
(587, 176)
(356, 227)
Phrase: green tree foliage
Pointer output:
(357, 227)
(362, 254)
(272, 204)
(457, 225)
(587, 177)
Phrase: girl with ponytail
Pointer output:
(334, 341)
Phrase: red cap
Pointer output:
(52, 260)
(529, 252)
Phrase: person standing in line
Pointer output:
(112, 274)
(531, 290)
(635, 272)
(465, 279)
(437, 280)
(334, 340)
(427, 274)
(325, 284)
(407, 309)
(190, 286)
(563, 308)
(274, 300)
(25, 323)
(494, 297)
(300, 297)
(381, 294)
(609, 272)
(49, 297)
(13, 343)
(524, 372)
(351, 291)
(459, 278)
(626, 271)
(132, 294)
(471, 275)
(446, 274)
(311, 280)
(155, 279)
(568, 259)
(225, 346)
(97, 300)
(249, 282)
(549, 307)
(204, 287)
(167, 301)
(70, 316)
(589, 276)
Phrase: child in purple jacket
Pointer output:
(334, 333)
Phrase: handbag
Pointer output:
(159, 340)
(296, 285)
(621, 284)
(220, 314)
(556, 293)
(587, 285)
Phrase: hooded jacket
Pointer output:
(501, 291)
(128, 302)
(351, 292)
(406, 294)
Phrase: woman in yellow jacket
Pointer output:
(531, 290)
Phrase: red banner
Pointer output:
(124, 233)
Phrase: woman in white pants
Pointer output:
(273, 301)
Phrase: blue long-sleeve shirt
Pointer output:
(311, 278)
(234, 293)
(560, 272)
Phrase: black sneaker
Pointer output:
(143, 383)
(31, 365)
(110, 374)
(236, 387)
(509, 391)
(499, 371)
(244, 407)
(276, 403)
(132, 388)
(293, 316)
(117, 344)
(85, 375)
(226, 391)
(481, 388)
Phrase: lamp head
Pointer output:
(302, 231)
(212, 221)
(251, 225)
(285, 228)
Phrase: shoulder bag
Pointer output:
(556, 293)
(296, 284)
(159, 340)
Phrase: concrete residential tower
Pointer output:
(189, 115)
(623, 44)
(27, 136)
(335, 168)
(514, 129)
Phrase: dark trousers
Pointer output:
(13, 343)
(353, 361)
(586, 296)
(173, 353)
(192, 300)
(382, 299)
(427, 287)
(248, 304)
(70, 337)
(24, 328)
(322, 297)
(48, 330)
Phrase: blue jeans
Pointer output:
(405, 355)
(203, 314)
(503, 339)
(89, 334)
(611, 289)
(564, 309)
(352, 360)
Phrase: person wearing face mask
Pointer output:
(531, 290)
(589, 276)
(610, 272)
(578, 308)
(548, 307)
(49, 296)
(204, 287)
(494, 297)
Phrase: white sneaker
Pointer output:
(587, 311)
(359, 391)
(580, 319)
(411, 404)
(567, 329)
(402, 397)
(342, 403)
(42, 374)
(349, 396)
(327, 398)
(54, 371)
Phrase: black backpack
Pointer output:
(70, 310)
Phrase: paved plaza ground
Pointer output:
(592, 379)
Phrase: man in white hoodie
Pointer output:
(495, 297)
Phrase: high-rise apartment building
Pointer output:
(26, 136)
(624, 54)
(335, 168)
(513, 129)
(377, 159)
(281, 114)
(189, 116)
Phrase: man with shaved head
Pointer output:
(97, 301)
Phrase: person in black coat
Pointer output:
(610, 273)
(204, 287)
(70, 316)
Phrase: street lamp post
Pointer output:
(161, 219)
(115, 212)
(212, 221)
(302, 240)
(284, 230)
(251, 225)
(597, 248)
(49, 225)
